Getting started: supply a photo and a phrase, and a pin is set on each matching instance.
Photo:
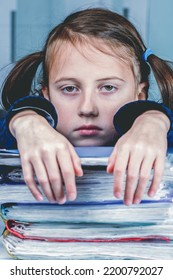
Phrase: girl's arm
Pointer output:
(140, 149)
(37, 104)
(29, 126)
(42, 151)
(47, 154)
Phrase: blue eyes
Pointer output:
(103, 89)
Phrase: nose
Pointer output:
(88, 106)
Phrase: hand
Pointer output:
(47, 154)
(136, 153)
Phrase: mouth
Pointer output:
(88, 130)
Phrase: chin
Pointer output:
(89, 143)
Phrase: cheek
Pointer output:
(66, 117)
(106, 119)
(63, 101)
(64, 110)
(120, 103)
(109, 112)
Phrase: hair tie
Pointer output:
(146, 54)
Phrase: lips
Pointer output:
(88, 130)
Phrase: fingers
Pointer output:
(52, 169)
(118, 164)
(142, 182)
(51, 182)
(157, 177)
(144, 178)
(43, 179)
(137, 167)
(49, 156)
(36, 167)
(30, 181)
(133, 170)
(76, 161)
(68, 173)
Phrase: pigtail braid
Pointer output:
(18, 82)
(164, 76)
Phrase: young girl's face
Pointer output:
(87, 89)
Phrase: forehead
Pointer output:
(95, 51)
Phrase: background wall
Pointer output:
(7, 7)
(160, 27)
(24, 24)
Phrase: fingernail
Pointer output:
(128, 202)
(136, 201)
(62, 200)
(72, 196)
(151, 193)
(108, 169)
(40, 198)
(80, 174)
(117, 194)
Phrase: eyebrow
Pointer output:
(63, 79)
(111, 78)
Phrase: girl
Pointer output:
(93, 64)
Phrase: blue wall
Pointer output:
(160, 27)
(35, 18)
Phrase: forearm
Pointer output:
(155, 118)
(25, 120)
(47, 154)
(139, 150)
(36, 106)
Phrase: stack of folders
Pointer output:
(95, 226)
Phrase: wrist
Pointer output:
(37, 104)
(156, 118)
(22, 119)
